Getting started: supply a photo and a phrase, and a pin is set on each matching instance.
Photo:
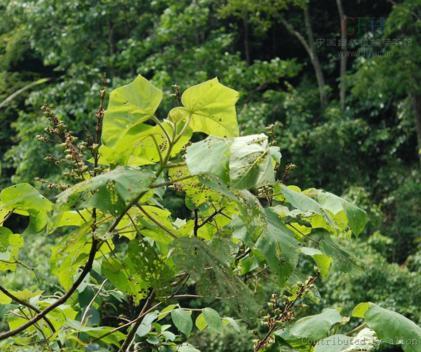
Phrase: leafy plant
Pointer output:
(124, 263)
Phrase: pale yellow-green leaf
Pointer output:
(200, 322)
(211, 107)
(129, 106)
(322, 260)
(4, 299)
(360, 309)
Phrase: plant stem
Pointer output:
(87, 268)
(156, 222)
(130, 336)
(30, 306)
(286, 314)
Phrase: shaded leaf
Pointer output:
(278, 246)
(213, 319)
(391, 327)
(315, 327)
(250, 164)
(182, 320)
(323, 261)
(109, 192)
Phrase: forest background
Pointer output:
(337, 86)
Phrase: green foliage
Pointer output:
(390, 326)
(384, 326)
(132, 250)
(313, 327)
(226, 196)
(182, 320)
(109, 192)
(10, 245)
(387, 284)
(26, 200)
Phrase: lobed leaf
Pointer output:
(211, 107)
(129, 106)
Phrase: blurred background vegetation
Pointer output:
(348, 117)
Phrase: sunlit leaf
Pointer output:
(10, 244)
(128, 107)
(211, 108)
(322, 260)
(26, 200)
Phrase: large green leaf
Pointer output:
(209, 156)
(342, 259)
(334, 343)
(300, 200)
(143, 144)
(211, 107)
(391, 327)
(315, 327)
(322, 260)
(69, 254)
(140, 269)
(245, 161)
(278, 246)
(182, 320)
(212, 318)
(96, 332)
(150, 229)
(356, 217)
(124, 279)
(128, 107)
(26, 200)
(109, 192)
(250, 164)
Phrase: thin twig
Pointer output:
(46, 343)
(30, 306)
(7, 216)
(196, 223)
(156, 222)
(169, 183)
(130, 336)
(183, 280)
(92, 302)
(62, 299)
(286, 314)
(211, 217)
